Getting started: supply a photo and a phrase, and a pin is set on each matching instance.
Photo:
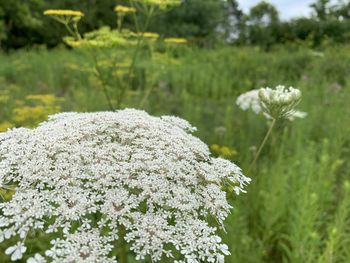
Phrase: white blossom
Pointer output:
(84, 176)
(297, 114)
(249, 100)
(279, 102)
(36, 259)
(16, 251)
(272, 103)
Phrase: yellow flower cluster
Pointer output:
(5, 125)
(63, 12)
(103, 37)
(174, 40)
(223, 151)
(150, 35)
(35, 109)
(124, 9)
(161, 3)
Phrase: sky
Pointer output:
(287, 8)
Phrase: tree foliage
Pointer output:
(204, 22)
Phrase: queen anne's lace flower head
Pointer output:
(275, 103)
(249, 100)
(80, 177)
(279, 102)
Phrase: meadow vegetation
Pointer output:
(297, 208)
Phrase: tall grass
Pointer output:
(297, 208)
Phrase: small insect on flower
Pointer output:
(81, 177)
(174, 40)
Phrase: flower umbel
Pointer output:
(85, 175)
(278, 103)
(160, 3)
(174, 40)
(69, 18)
(124, 9)
(63, 12)
(150, 35)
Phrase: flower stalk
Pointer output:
(122, 246)
(262, 144)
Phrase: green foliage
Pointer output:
(205, 22)
(297, 208)
(192, 19)
(321, 9)
(19, 22)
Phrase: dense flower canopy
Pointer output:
(81, 176)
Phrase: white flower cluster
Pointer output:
(249, 100)
(273, 103)
(80, 177)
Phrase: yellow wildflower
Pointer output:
(215, 148)
(150, 35)
(223, 151)
(227, 152)
(63, 12)
(43, 98)
(161, 3)
(173, 40)
(4, 98)
(4, 126)
(124, 9)
(120, 72)
(35, 109)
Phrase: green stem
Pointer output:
(69, 30)
(145, 97)
(76, 31)
(104, 83)
(262, 144)
(122, 246)
(120, 22)
(134, 56)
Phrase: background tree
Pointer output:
(321, 9)
(261, 25)
(196, 19)
(19, 22)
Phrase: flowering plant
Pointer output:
(278, 103)
(115, 79)
(89, 180)
(275, 104)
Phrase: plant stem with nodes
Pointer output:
(262, 144)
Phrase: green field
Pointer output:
(297, 208)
